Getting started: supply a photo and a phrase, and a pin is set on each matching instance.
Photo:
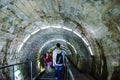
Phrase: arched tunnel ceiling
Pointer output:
(96, 17)
(97, 20)
(89, 13)
(35, 42)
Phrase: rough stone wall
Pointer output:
(4, 73)
(99, 21)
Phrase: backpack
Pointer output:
(59, 58)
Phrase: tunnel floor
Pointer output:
(77, 75)
(46, 76)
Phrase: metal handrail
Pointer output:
(69, 69)
(12, 65)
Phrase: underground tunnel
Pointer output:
(88, 30)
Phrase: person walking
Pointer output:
(58, 61)
(48, 61)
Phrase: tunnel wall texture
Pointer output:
(97, 20)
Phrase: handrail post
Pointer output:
(69, 70)
(31, 69)
(13, 73)
(67, 74)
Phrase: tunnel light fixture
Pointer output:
(90, 50)
(56, 26)
(60, 40)
(19, 47)
(72, 47)
(26, 38)
(85, 41)
(57, 40)
(67, 28)
(34, 32)
(45, 27)
(78, 34)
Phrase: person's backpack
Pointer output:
(59, 58)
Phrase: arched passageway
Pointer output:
(89, 30)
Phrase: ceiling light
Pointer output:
(56, 26)
(57, 40)
(78, 34)
(90, 50)
(45, 27)
(19, 47)
(34, 32)
(67, 28)
(85, 41)
(26, 38)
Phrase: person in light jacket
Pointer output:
(58, 65)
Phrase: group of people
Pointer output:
(47, 57)
(55, 59)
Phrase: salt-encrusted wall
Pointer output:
(98, 21)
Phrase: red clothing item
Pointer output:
(48, 58)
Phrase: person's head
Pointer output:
(58, 45)
(47, 53)
(50, 51)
